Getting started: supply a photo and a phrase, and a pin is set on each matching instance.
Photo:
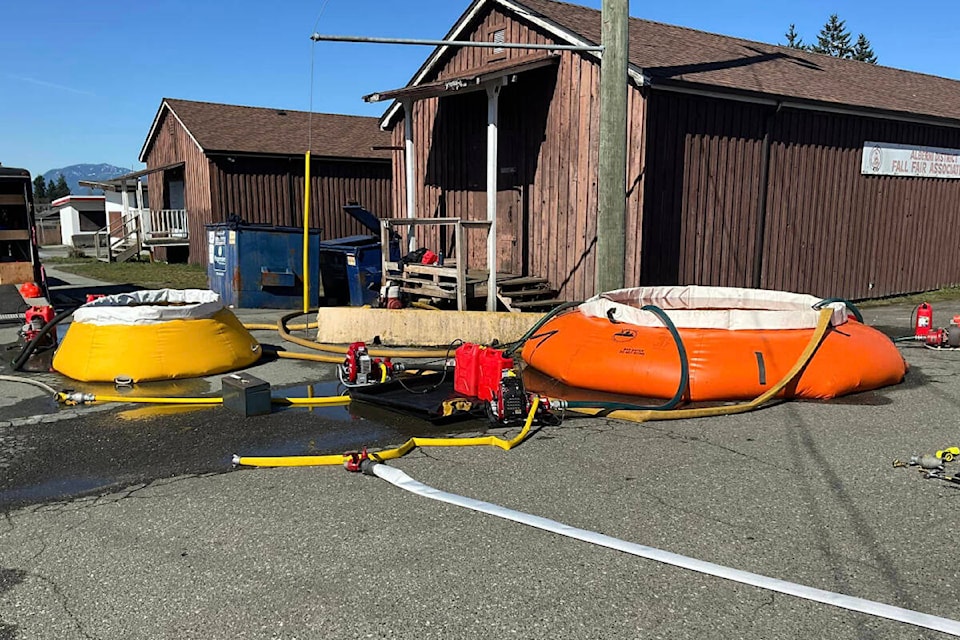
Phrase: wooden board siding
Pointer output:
(173, 144)
(828, 230)
(264, 189)
(269, 190)
(702, 192)
(549, 135)
(832, 231)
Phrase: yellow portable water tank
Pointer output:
(154, 335)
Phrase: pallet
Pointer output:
(538, 305)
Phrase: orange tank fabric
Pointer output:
(594, 353)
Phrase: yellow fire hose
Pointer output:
(266, 326)
(390, 454)
(312, 357)
(823, 325)
(78, 398)
(379, 353)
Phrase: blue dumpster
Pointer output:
(261, 266)
(351, 267)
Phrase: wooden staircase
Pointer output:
(439, 283)
(120, 242)
(526, 293)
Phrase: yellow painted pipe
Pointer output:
(306, 232)
(823, 325)
(390, 454)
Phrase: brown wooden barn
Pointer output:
(212, 160)
(749, 164)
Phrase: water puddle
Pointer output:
(51, 489)
(103, 451)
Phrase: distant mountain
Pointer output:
(77, 172)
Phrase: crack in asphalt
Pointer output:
(9, 578)
(806, 449)
(65, 603)
(672, 435)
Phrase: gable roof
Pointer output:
(228, 128)
(663, 55)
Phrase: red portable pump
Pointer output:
(35, 319)
(485, 373)
(948, 338)
(924, 321)
(359, 369)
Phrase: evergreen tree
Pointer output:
(58, 189)
(39, 187)
(62, 186)
(862, 50)
(794, 41)
(834, 39)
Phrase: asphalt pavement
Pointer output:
(119, 522)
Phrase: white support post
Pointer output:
(493, 95)
(408, 161)
(143, 221)
(125, 201)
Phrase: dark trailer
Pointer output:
(19, 259)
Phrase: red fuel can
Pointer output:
(467, 369)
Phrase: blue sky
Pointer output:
(81, 81)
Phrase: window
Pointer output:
(496, 33)
(498, 36)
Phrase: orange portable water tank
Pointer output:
(738, 343)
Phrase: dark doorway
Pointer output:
(457, 162)
(173, 196)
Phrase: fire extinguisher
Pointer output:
(924, 320)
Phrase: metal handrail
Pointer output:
(126, 232)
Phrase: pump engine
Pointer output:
(359, 369)
(35, 318)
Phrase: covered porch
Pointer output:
(483, 263)
(134, 227)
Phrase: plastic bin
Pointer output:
(351, 268)
(261, 266)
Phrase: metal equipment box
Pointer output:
(246, 394)
(351, 268)
(261, 266)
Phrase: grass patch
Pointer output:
(149, 275)
(67, 260)
(938, 295)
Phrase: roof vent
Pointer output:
(281, 113)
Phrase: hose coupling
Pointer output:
(553, 404)
(353, 460)
(366, 466)
(72, 398)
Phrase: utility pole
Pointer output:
(612, 170)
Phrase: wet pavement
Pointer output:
(126, 521)
(119, 445)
